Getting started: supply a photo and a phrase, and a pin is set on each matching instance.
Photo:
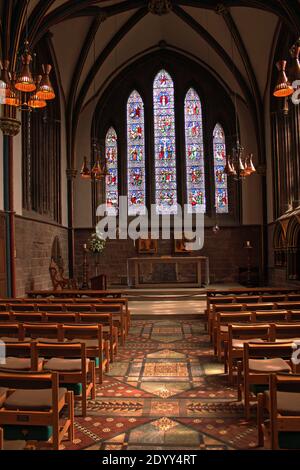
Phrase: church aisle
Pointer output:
(165, 392)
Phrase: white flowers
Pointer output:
(96, 244)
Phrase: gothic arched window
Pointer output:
(221, 181)
(165, 144)
(195, 172)
(112, 180)
(136, 155)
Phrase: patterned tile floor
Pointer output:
(165, 391)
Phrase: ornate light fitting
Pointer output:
(21, 88)
(238, 165)
(93, 171)
(286, 83)
(160, 7)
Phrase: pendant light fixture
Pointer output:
(21, 88)
(237, 165)
(288, 77)
(97, 172)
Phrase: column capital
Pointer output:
(10, 126)
(221, 9)
(71, 174)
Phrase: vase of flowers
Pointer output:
(96, 246)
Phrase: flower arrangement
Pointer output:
(96, 244)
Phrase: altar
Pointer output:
(168, 271)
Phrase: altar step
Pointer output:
(191, 309)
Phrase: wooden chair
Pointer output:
(34, 400)
(238, 335)
(60, 318)
(97, 348)
(282, 406)
(78, 308)
(27, 307)
(123, 302)
(3, 307)
(58, 280)
(9, 332)
(294, 315)
(63, 359)
(221, 327)
(5, 317)
(270, 316)
(259, 361)
(288, 305)
(110, 332)
(282, 332)
(247, 299)
(18, 358)
(28, 317)
(50, 307)
(119, 317)
(44, 332)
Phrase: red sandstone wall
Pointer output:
(225, 251)
(34, 241)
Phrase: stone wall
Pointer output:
(225, 251)
(34, 240)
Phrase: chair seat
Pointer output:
(269, 365)
(3, 393)
(288, 404)
(18, 363)
(224, 329)
(32, 400)
(64, 365)
(90, 343)
(287, 340)
(239, 343)
(10, 339)
(48, 340)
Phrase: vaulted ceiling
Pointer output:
(236, 39)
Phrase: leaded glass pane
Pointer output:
(165, 144)
(112, 180)
(195, 172)
(221, 180)
(136, 155)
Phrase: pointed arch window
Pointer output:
(221, 180)
(136, 155)
(195, 171)
(165, 144)
(112, 180)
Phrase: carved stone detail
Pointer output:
(160, 7)
(10, 126)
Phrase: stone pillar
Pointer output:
(71, 175)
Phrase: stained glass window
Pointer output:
(136, 155)
(221, 195)
(195, 173)
(112, 180)
(165, 144)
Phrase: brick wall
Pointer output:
(34, 241)
(225, 251)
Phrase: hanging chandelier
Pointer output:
(23, 88)
(239, 165)
(94, 171)
(288, 80)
